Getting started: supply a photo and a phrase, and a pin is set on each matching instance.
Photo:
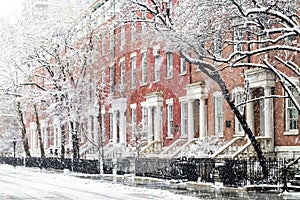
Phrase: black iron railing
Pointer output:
(232, 173)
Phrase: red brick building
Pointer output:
(155, 102)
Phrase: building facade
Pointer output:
(154, 103)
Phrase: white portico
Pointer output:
(119, 121)
(154, 104)
(194, 93)
(264, 80)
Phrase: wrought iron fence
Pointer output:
(233, 173)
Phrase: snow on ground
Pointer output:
(27, 183)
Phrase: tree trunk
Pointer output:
(37, 121)
(23, 131)
(73, 126)
(242, 120)
(100, 146)
(63, 142)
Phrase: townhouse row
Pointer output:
(154, 103)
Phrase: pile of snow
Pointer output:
(204, 147)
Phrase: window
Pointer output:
(133, 121)
(169, 6)
(143, 22)
(170, 117)
(133, 31)
(156, 65)
(122, 37)
(182, 66)
(144, 117)
(103, 82)
(238, 96)
(103, 45)
(292, 114)
(184, 120)
(111, 78)
(238, 38)
(218, 113)
(218, 43)
(103, 126)
(111, 126)
(133, 71)
(169, 64)
(111, 40)
(122, 80)
(144, 68)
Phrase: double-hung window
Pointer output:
(122, 37)
(182, 65)
(291, 113)
(238, 97)
(111, 78)
(184, 119)
(122, 80)
(218, 113)
(133, 121)
(103, 45)
(133, 31)
(156, 65)
(143, 22)
(238, 36)
(169, 103)
(144, 68)
(111, 126)
(133, 71)
(169, 64)
(144, 117)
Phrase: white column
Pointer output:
(150, 124)
(122, 132)
(115, 136)
(44, 129)
(202, 125)
(96, 130)
(157, 136)
(55, 136)
(59, 137)
(250, 114)
(89, 129)
(33, 135)
(70, 135)
(268, 113)
(190, 120)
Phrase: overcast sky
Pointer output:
(10, 7)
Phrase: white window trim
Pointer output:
(103, 45)
(133, 31)
(122, 84)
(287, 130)
(236, 91)
(111, 121)
(133, 82)
(183, 61)
(157, 64)
(238, 36)
(144, 116)
(182, 128)
(122, 37)
(169, 65)
(170, 133)
(111, 80)
(133, 122)
(216, 95)
(144, 73)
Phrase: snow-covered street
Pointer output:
(23, 183)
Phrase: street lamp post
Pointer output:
(14, 143)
